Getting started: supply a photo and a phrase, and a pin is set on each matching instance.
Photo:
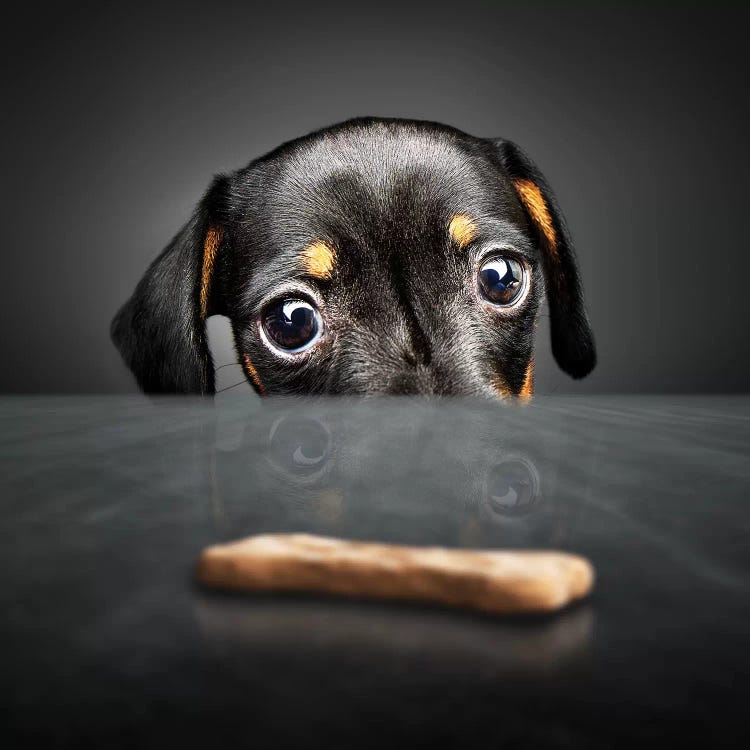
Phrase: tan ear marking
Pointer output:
(318, 259)
(527, 389)
(252, 373)
(210, 247)
(462, 230)
(531, 197)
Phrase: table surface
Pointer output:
(107, 501)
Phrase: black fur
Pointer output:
(401, 311)
(572, 339)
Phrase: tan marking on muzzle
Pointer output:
(252, 373)
(527, 389)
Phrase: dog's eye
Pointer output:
(501, 280)
(299, 445)
(293, 325)
(513, 487)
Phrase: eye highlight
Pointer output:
(292, 325)
(501, 280)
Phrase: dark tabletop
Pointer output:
(106, 502)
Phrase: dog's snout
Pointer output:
(417, 346)
(418, 350)
(416, 381)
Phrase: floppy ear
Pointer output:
(572, 339)
(160, 331)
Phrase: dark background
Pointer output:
(117, 115)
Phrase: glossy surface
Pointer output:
(106, 502)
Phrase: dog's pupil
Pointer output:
(291, 324)
(500, 280)
(300, 317)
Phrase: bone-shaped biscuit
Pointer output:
(496, 582)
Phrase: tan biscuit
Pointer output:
(496, 582)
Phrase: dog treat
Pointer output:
(496, 582)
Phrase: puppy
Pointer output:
(374, 256)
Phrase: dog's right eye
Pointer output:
(292, 325)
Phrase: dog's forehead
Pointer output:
(381, 154)
(368, 181)
(391, 169)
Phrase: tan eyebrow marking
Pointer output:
(462, 230)
(252, 373)
(318, 259)
(531, 197)
(210, 247)
(527, 389)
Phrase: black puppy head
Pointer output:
(376, 256)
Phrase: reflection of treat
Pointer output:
(497, 582)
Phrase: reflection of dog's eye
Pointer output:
(299, 445)
(511, 488)
(501, 280)
(293, 325)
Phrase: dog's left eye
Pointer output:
(501, 280)
(292, 325)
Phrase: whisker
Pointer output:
(230, 364)
(242, 382)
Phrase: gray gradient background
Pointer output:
(115, 118)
